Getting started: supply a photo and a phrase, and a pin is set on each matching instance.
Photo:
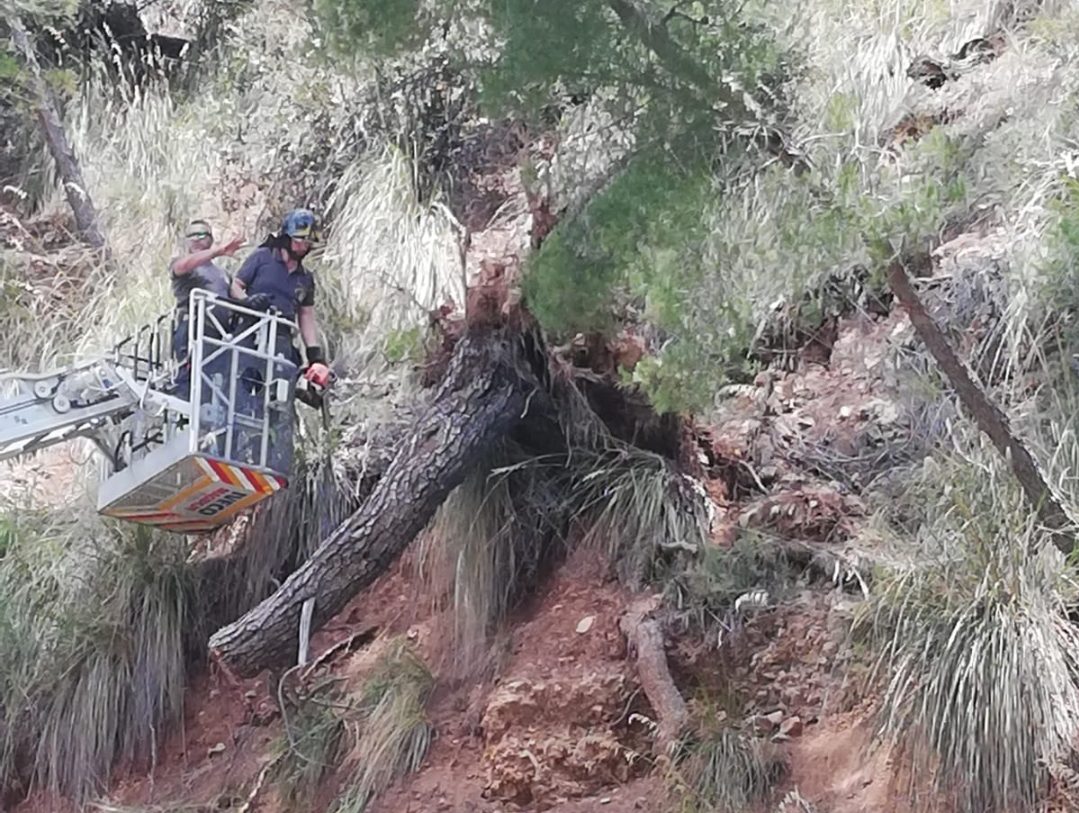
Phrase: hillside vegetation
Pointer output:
(637, 254)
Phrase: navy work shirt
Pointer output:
(264, 272)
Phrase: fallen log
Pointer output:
(488, 389)
(240, 571)
(644, 637)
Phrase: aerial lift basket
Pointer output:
(185, 449)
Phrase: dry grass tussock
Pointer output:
(516, 513)
(393, 259)
(395, 734)
(81, 688)
(976, 650)
(372, 735)
(485, 547)
(722, 768)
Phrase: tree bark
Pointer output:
(48, 114)
(989, 418)
(233, 582)
(485, 393)
(645, 638)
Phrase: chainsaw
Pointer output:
(315, 392)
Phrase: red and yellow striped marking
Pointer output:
(220, 492)
(241, 477)
(145, 517)
(193, 489)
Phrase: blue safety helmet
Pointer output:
(301, 223)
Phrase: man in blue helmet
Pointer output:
(274, 277)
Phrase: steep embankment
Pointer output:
(560, 722)
(556, 717)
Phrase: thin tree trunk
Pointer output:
(483, 396)
(990, 419)
(48, 114)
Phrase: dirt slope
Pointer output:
(560, 722)
(553, 728)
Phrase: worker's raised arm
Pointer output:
(182, 266)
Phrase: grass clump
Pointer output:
(373, 733)
(95, 620)
(395, 732)
(978, 654)
(705, 590)
(486, 545)
(518, 511)
(723, 769)
(315, 729)
(637, 507)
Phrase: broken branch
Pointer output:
(645, 638)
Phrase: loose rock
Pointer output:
(791, 727)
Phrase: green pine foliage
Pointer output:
(679, 87)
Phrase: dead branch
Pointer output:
(52, 128)
(645, 638)
(989, 418)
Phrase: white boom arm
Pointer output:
(87, 400)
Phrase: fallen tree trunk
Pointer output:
(486, 392)
(240, 573)
(989, 418)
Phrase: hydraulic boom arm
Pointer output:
(37, 411)
(90, 399)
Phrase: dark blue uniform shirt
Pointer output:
(264, 272)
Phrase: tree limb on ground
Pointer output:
(645, 639)
(487, 391)
(989, 418)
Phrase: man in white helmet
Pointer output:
(191, 271)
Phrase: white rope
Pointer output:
(306, 612)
